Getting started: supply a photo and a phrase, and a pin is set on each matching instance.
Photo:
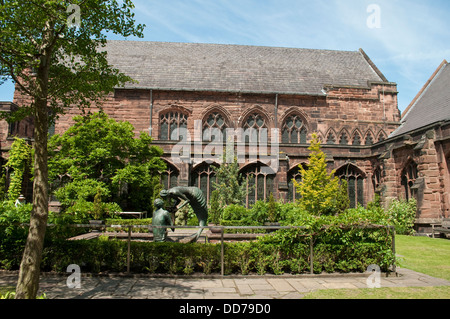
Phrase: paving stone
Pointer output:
(299, 286)
(244, 289)
(280, 285)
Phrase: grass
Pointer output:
(422, 254)
(430, 256)
(383, 293)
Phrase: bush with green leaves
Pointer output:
(99, 152)
(321, 193)
(402, 215)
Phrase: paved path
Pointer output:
(250, 287)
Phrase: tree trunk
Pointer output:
(28, 283)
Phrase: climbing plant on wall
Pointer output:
(18, 162)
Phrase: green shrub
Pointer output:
(234, 212)
(402, 215)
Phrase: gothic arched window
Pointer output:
(293, 130)
(169, 123)
(293, 174)
(376, 178)
(253, 125)
(409, 176)
(213, 121)
(260, 182)
(169, 178)
(203, 177)
(355, 183)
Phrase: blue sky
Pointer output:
(409, 41)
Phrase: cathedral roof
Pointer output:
(431, 105)
(239, 68)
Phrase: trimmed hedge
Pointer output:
(285, 251)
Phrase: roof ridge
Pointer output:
(235, 45)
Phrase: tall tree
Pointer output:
(321, 193)
(52, 50)
(98, 148)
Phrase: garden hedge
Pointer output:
(285, 251)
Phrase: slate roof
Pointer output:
(239, 68)
(432, 104)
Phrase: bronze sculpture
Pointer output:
(192, 196)
(161, 217)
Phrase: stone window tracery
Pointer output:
(213, 121)
(408, 178)
(169, 123)
(204, 177)
(253, 125)
(355, 183)
(169, 178)
(294, 130)
(259, 182)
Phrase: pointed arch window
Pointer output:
(260, 182)
(214, 121)
(294, 174)
(169, 178)
(254, 124)
(204, 177)
(169, 123)
(293, 130)
(409, 176)
(355, 183)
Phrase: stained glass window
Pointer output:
(169, 178)
(293, 130)
(355, 182)
(409, 176)
(260, 183)
(214, 121)
(253, 125)
(169, 123)
(293, 174)
(203, 177)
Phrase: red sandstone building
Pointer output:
(341, 95)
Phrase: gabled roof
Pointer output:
(431, 105)
(239, 68)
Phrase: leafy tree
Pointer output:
(320, 191)
(99, 153)
(57, 66)
(230, 185)
(215, 211)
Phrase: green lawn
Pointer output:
(422, 254)
(430, 256)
